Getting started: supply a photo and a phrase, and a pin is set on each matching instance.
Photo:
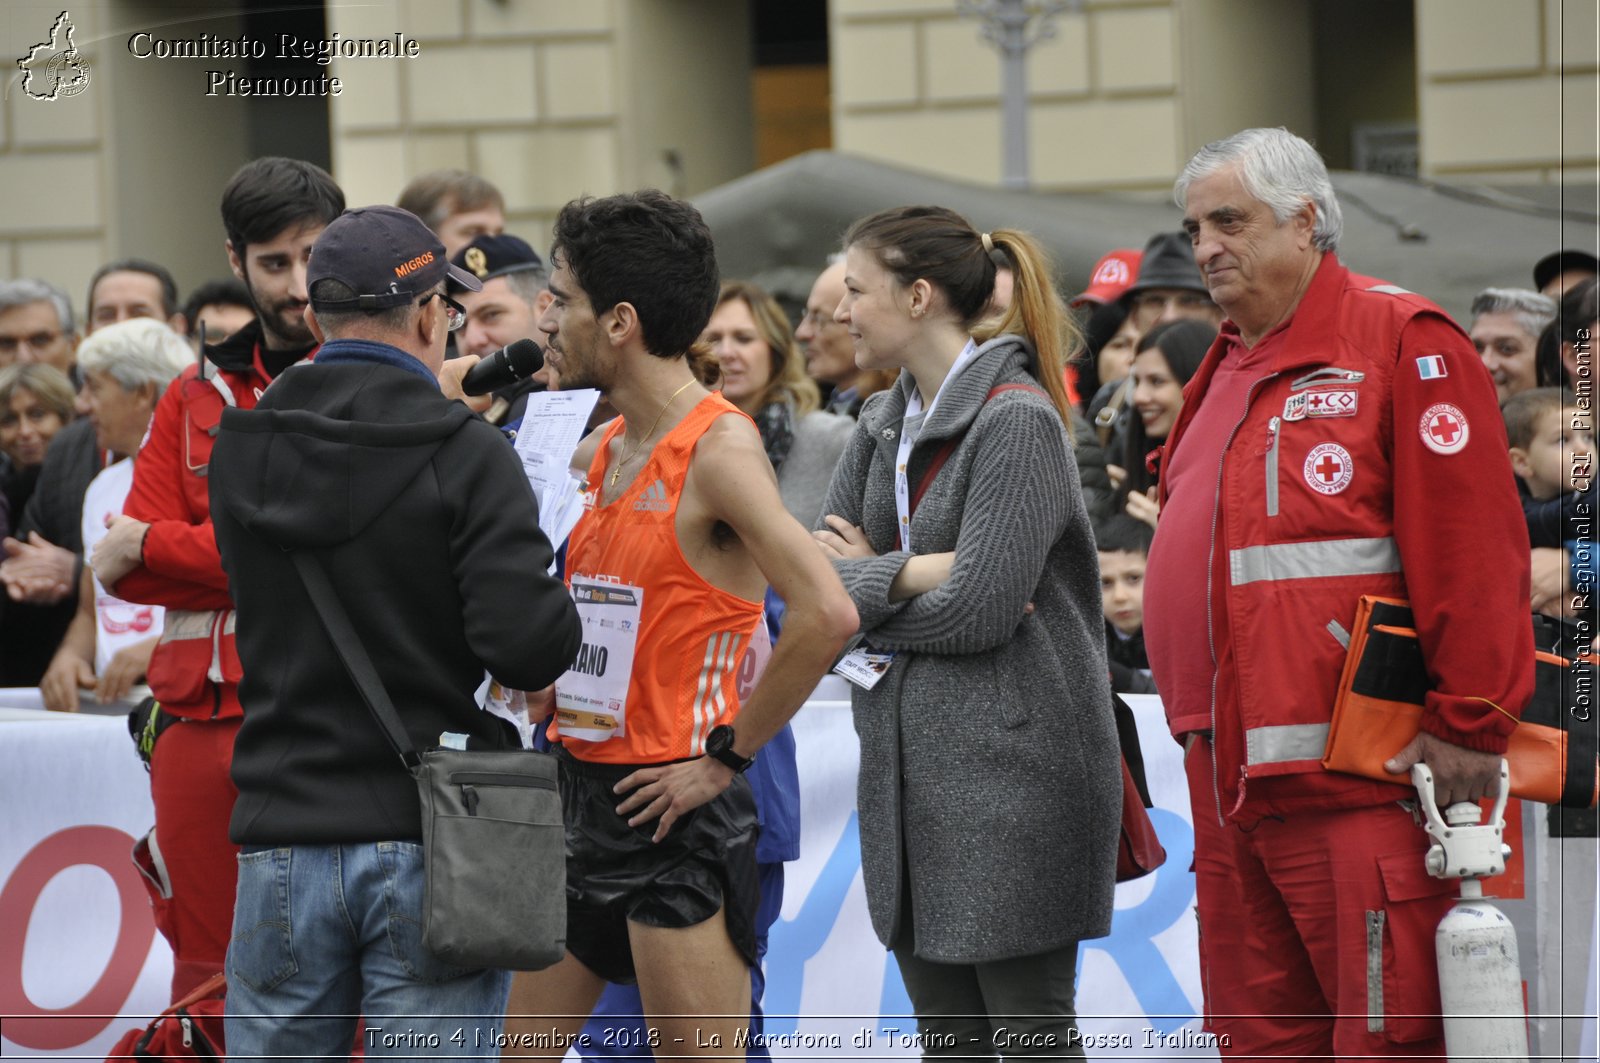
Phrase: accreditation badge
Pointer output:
(864, 668)
(592, 697)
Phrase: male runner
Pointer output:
(683, 531)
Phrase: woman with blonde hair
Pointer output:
(990, 785)
(764, 375)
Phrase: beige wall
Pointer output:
(1245, 63)
(53, 185)
(554, 98)
(132, 166)
(549, 99)
(1507, 88)
(1119, 96)
(1126, 90)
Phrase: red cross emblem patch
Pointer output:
(1337, 403)
(1443, 428)
(1328, 468)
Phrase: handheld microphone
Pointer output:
(514, 362)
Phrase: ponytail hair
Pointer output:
(940, 246)
(1037, 313)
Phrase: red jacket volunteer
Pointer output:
(1369, 458)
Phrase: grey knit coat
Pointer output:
(990, 781)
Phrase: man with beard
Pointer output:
(162, 551)
(683, 528)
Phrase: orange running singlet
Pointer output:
(691, 634)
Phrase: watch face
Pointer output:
(719, 744)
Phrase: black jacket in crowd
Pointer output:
(1130, 668)
(424, 520)
(30, 634)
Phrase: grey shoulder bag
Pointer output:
(494, 846)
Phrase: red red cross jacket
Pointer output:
(1371, 459)
(194, 671)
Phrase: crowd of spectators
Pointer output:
(79, 395)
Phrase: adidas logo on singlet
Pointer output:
(654, 499)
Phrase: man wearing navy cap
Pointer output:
(514, 294)
(424, 523)
(1556, 272)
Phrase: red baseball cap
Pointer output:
(1113, 275)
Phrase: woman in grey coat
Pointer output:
(990, 786)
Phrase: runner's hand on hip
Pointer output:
(670, 791)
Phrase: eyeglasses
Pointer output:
(455, 315)
(1147, 306)
(817, 319)
(36, 342)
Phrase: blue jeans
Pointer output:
(327, 951)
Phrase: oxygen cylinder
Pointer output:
(1480, 981)
(1480, 978)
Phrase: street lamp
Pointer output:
(1013, 29)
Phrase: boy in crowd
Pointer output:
(1123, 543)
(1552, 453)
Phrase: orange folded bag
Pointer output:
(1553, 751)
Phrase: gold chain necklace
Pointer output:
(628, 455)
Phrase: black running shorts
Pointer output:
(616, 873)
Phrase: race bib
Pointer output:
(592, 697)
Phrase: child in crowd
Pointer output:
(1552, 453)
(1123, 543)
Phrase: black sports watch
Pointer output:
(719, 744)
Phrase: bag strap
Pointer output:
(948, 447)
(215, 986)
(354, 655)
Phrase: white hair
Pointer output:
(135, 352)
(1278, 168)
(1531, 311)
(26, 290)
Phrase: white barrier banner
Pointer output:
(1138, 990)
(79, 948)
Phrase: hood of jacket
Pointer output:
(328, 448)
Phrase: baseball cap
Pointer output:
(1111, 277)
(385, 254)
(488, 257)
(1553, 265)
(1168, 263)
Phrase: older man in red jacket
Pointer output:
(1341, 439)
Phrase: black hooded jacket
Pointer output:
(428, 530)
